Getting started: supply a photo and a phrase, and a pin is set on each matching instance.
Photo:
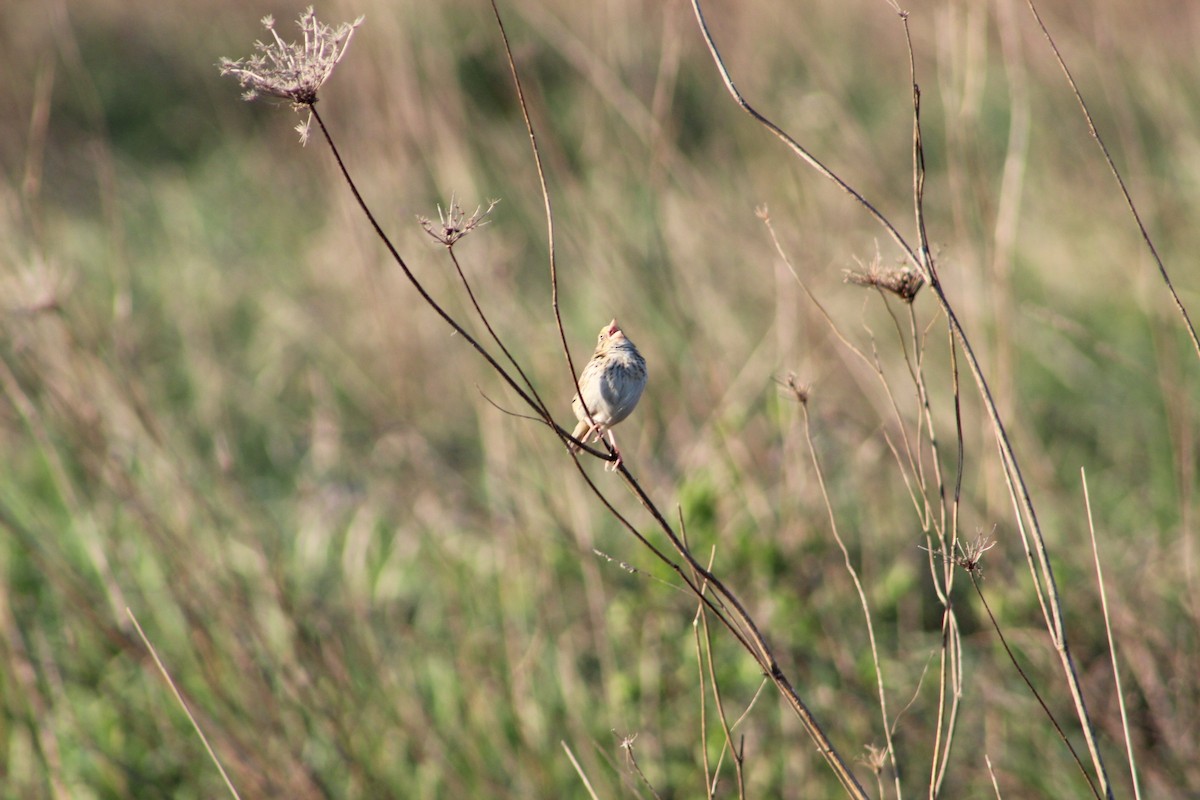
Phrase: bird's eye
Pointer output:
(600, 339)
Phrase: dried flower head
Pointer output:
(902, 281)
(455, 224)
(874, 757)
(293, 71)
(969, 556)
(798, 390)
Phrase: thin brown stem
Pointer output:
(951, 641)
(862, 595)
(992, 775)
(573, 374)
(1112, 645)
(1012, 657)
(708, 776)
(1112, 167)
(162, 668)
(703, 635)
(634, 767)
(541, 405)
(587, 784)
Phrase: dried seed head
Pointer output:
(902, 281)
(874, 757)
(799, 391)
(971, 554)
(294, 71)
(454, 224)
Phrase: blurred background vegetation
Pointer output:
(223, 408)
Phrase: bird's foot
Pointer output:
(615, 464)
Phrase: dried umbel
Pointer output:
(799, 391)
(903, 281)
(971, 554)
(294, 71)
(455, 224)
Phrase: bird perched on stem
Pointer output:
(611, 385)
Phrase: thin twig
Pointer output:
(537, 160)
(1112, 167)
(795, 146)
(951, 635)
(183, 704)
(992, 775)
(627, 746)
(862, 595)
(579, 770)
(709, 779)
(704, 634)
(1029, 683)
(1112, 645)
(545, 410)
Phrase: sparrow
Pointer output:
(609, 387)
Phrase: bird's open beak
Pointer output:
(613, 329)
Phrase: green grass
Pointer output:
(240, 422)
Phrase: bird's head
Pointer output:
(612, 332)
